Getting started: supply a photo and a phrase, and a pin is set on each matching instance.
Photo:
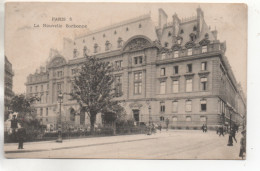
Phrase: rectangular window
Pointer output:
(204, 49)
(174, 106)
(176, 54)
(119, 64)
(189, 85)
(162, 108)
(203, 84)
(176, 69)
(58, 86)
(189, 68)
(138, 76)
(41, 111)
(189, 52)
(163, 55)
(136, 60)
(118, 86)
(41, 87)
(138, 88)
(59, 73)
(162, 71)
(47, 86)
(140, 59)
(203, 105)
(47, 96)
(188, 106)
(204, 66)
(47, 111)
(175, 86)
(36, 88)
(162, 87)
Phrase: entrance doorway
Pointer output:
(136, 115)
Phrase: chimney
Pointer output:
(162, 18)
(176, 24)
(200, 19)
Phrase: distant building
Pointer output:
(8, 83)
(179, 70)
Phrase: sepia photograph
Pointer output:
(89, 80)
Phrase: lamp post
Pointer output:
(60, 98)
(230, 140)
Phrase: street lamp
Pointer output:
(60, 98)
(230, 140)
(150, 118)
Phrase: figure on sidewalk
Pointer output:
(221, 130)
(21, 133)
(204, 128)
(233, 134)
(160, 127)
(242, 144)
(167, 123)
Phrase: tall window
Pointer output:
(75, 53)
(47, 96)
(188, 106)
(163, 55)
(138, 60)
(162, 107)
(175, 86)
(85, 51)
(204, 66)
(118, 86)
(119, 64)
(162, 87)
(174, 106)
(138, 83)
(189, 51)
(41, 87)
(36, 88)
(203, 105)
(189, 68)
(30, 89)
(59, 73)
(162, 73)
(189, 85)
(176, 54)
(204, 49)
(203, 82)
(47, 111)
(176, 69)
(41, 111)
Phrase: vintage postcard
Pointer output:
(125, 80)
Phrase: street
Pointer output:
(174, 144)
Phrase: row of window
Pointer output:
(46, 111)
(188, 106)
(188, 69)
(187, 118)
(189, 85)
(176, 53)
(41, 88)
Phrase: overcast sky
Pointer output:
(27, 47)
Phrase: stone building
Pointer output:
(9, 73)
(176, 70)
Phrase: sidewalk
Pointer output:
(77, 143)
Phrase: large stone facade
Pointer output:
(177, 70)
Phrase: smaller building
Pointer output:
(8, 83)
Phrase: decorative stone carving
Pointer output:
(57, 62)
(204, 42)
(203, 73)
(176, 47)
(190, 44)
(137, 44)
(135, 105)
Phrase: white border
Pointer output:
(253, 140)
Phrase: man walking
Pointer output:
(21, 136)
(167, 123)
(221, 130)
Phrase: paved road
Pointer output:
(174, 144)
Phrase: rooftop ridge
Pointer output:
(142, 17)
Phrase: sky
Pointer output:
(27, 47)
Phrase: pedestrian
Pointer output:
(167, 123)
(242, 144)
(206, 128)
(233, 134)
(221, 130)
(202, 128)
(160, 127)
(21, 136)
